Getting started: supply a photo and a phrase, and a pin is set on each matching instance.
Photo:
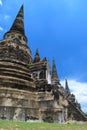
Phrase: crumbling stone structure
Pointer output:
(28, 89)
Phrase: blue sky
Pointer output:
(58, 28)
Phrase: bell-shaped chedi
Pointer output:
(54, 78)
(14, 57)
(37, 57)
(16, 47)
(67, 90)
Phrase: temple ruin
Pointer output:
(29, 90)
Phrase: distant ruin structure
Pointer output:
(29, 90)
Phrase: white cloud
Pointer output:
(6, 17)
(1, 29)
(1, 2)
(80, 91)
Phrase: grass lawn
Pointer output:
(12, 125)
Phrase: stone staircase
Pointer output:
(78, 113)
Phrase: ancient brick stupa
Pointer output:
(28, 91)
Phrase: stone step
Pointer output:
(10, 65)
(15, 70)
(15, 73)
(15, 81)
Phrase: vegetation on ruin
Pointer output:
(12, 125)
(28, 65)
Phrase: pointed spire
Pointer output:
(67, 90)
(54, 73)
(37, 57)
(18, 24)
(17, 29)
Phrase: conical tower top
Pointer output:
(17, 28)
(37, 57)
(18, 24)
(54, 77)
(67, 90)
